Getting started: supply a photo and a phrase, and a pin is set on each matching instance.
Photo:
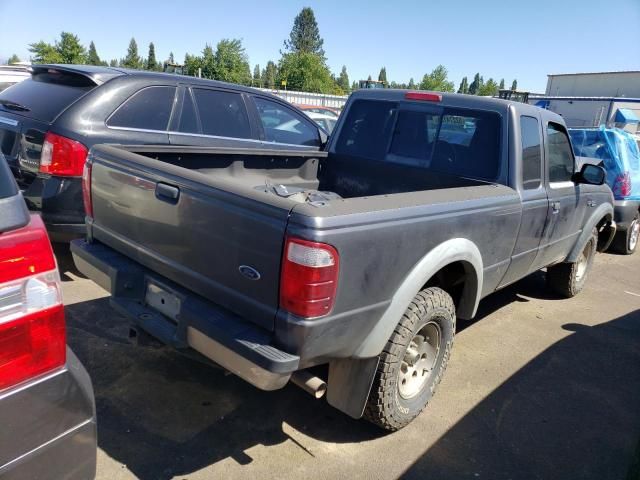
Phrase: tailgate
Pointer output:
(222, 244)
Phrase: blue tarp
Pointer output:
(619, 153)
(625, 115)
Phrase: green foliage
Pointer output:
(490, 88)
(67, 50)
(369, 78)
(191, 64)
(269, 75)
(305, 72)
(464, 86)
(382, 76)
(514, 85)
(476, 84)
(437, 80)
(501, 86)
(231, 62)
(152, 63)
(92, 56)
(170, 59)
(13, 59)
(343, 80)
(132, 60)
(305, 35)
(354, 86)
(412, 84)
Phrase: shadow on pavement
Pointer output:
(573, 412)
(164, 415)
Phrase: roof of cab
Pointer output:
(455, 100)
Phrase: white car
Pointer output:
(327, 122)
(12, 74)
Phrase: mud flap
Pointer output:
(349, 384)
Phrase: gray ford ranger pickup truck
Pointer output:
(360, 257)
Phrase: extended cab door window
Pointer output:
(283, 125)
(222, 114)
(148, 109)
(560, 161)
(531, 152)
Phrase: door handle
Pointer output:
(167, 193)
(555, 207)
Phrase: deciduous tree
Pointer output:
(437, 80)
(13, 59)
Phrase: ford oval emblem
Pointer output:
(249, 272)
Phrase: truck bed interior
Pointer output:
(345, 177)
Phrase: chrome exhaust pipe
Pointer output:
(310, 383)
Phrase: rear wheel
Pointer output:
(626, 242)
(568, 279)
(413, 361)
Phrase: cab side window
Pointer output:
(561, 163)
(531, 152)
(148, 109)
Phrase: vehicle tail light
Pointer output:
(423, 96)
(86, 189)
(32, 328)
(622, 185)
(309, 278)
(62, 156)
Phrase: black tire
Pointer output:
(626, 241)
(568, 279)
(430, 310)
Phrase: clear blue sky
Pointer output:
(498, 38)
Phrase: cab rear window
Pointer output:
(448, 140)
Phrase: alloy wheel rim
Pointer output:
(419, 360)
(634, 235)
(583, 262)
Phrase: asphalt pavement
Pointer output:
(538, 387)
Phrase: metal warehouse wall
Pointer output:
(613, 84)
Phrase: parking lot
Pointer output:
(537, 387)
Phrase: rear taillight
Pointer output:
(62, 156)
(86, 189)
(32, 328)
(309, 278)
(622, 185)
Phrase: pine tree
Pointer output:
(437, 80)
(354, 86)
(514, 85)
(464, 86)
(412, 84)
(269, 75)
(343, 80)
(257, 77)
(92, 56)
(488, 89)
(152, 63)
(305, 35)
(171, 60)
(132, 60)
(13, 59)
(476, 84)
(113, 62)
(369, 78)
(382, 76)
(501, 85)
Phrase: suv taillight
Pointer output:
(32, 328)
(622, 185)
(62, 156)
(86, 189)
(309, 278)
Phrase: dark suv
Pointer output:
(49, 122)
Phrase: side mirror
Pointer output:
(590, 174)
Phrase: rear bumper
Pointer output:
(234, 343)
(624, 211)
(49, 426)
(59, 202)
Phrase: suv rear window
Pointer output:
(447, 140)
(8, 186)
(46, 94)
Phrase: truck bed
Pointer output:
(195, 215)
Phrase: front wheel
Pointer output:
(413, 361)
(568, 279)
(626, 242)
